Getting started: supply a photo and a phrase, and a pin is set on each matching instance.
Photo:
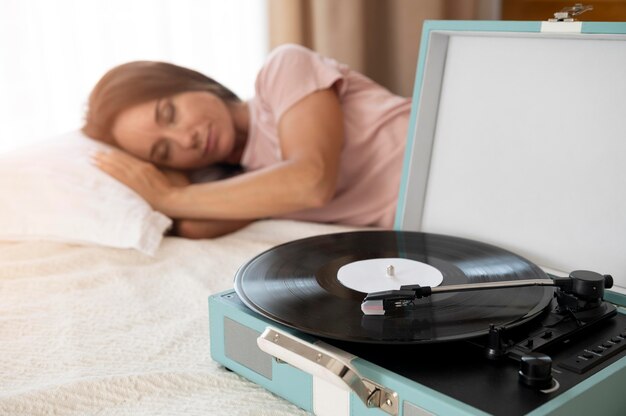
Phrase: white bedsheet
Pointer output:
(91, 330)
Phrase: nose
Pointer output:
(187, 139)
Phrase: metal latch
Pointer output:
(567, 14)
(386, 400)
(320, 362)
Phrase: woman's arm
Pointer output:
(197, 229)
(311, 138)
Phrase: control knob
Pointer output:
(536, 371)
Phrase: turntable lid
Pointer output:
(517, 139)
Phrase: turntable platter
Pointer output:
(296, 284)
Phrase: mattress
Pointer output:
(94, 330)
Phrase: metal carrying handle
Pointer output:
(320, 362)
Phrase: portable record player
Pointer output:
(501, 290)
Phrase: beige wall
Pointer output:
(379, 38)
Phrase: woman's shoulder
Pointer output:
(294, 69)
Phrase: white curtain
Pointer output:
(53, 52)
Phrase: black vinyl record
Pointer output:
(296, 284)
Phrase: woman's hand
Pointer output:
(142, 177)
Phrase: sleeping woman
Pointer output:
(318, 142)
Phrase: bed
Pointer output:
(97, 330)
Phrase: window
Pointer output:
(53, 52)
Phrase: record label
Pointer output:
(377, 275)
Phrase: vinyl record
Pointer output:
(296, 284)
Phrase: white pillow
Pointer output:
(51, 191)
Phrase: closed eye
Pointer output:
(169, 112)
(165, 112)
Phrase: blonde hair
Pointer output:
(136, 82)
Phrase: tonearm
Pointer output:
(581, 286)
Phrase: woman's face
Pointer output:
(185, 131)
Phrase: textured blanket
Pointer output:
(92, 330)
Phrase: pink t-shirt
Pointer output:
(375, 128)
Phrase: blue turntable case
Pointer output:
(516, 139)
